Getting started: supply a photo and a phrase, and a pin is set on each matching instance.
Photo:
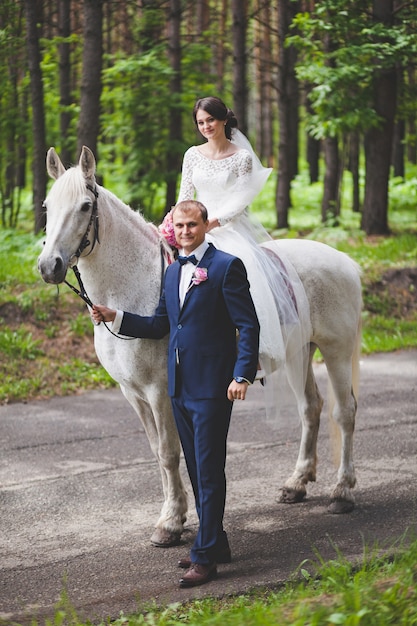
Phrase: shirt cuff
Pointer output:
(117, 322)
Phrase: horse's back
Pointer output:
(332, 283)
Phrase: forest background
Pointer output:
(332, 82)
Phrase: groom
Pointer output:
(205, 300)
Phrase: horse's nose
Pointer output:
(52, 269)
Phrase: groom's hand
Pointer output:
(101, 313)
(237, 391)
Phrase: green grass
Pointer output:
(380, 589)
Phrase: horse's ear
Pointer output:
(87, 162)
(54, 165)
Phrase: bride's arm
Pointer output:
(240, 195)
(187, 190)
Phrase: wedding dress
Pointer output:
(226, 187)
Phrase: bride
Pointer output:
(225, 175)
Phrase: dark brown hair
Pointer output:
(217, 108)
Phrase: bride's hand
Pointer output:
(213, 224)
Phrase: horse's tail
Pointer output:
(356, 360)
(335, 439)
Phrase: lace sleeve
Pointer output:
(252, 176)
(187, 190)
(236, 200)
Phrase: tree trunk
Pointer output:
(411, 122)
(89, 120)
(398, 141)
(65, 100)
(313, 147)
(398, 152)
(330, 208)
(288, 119)
(378, 141)
(33, 18)
(175, 117)
(240, 90)
(220, 56)
(293, 110)
(264, 116)
(354, 170)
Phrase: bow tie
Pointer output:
(184, 259)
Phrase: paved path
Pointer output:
(80, 492)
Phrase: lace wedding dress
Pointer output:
(226, 187)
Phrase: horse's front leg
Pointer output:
(161, 431)
(309, 407)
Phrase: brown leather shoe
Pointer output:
(198, 574)
(224, 556)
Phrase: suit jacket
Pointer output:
(204, 354)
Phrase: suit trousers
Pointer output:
(203, 426)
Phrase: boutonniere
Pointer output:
(199, 276)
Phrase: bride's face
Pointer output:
(208, 126)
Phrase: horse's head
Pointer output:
(70, 210)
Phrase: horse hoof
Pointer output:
(162, 538)
(291, 496)
(341, 506)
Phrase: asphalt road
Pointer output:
(80, 493)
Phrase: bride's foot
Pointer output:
(260, 375)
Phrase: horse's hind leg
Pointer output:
(309, 408)
(344, 413)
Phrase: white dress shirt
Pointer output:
(187, 271)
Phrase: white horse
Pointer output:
(122, 258)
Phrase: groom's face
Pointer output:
(190, 228)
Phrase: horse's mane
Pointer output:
(72, 184)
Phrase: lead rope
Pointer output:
(81, 293)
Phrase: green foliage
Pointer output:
(53, 106)
(385, 335)
(77, 374)
(19, 251)
(339, 43)
(137, 105)
(13, 118)
(81, 325)
(18, 344)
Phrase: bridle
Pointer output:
(85, 242)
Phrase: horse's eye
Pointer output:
(86, 206)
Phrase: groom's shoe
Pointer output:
(223, 556)
(198, 574)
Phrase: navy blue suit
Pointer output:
(203, 357)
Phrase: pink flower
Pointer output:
(167, 230)
(199, 276)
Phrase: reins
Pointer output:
(85, 242)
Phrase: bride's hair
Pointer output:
(217, 108)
